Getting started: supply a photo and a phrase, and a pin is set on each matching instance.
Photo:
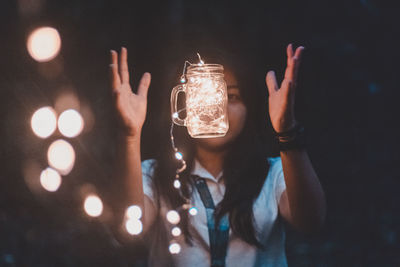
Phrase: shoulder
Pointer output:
(276, 177)
(148, 167)
(275, 165)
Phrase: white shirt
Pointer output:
(268, 225)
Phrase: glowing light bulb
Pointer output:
(93, 206)
(134, 212)
(50, 179)
(174, 248)
(177, 184)
(61, 156)
(173, 217)
(44, 44)
(176, 231)
(134, 226)
(193, 211)
(178, 155)
(44, 122)
(70, 123)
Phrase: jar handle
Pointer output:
(174, 104)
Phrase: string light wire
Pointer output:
(175, 248)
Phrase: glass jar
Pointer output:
(206, 101)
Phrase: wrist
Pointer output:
(131, 138)
(292, 139)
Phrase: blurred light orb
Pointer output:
(93, 206)
(174, 248)
(134, 212)
(177, 184)
(44, 122)
(44, 44)
(50, 179)
(61, 156)
(178, 155)
(173, 217)
(70, 123)
(134, 226)
(176, 231)
(193, 211)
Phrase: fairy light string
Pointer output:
(172, 215)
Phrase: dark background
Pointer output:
(347, 99)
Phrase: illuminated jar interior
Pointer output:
(206, 101)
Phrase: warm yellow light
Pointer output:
(93, 206)
(206, 101)
(70, 123)
(174, 248)
(134, 212)
(134, 226)
(50, 179)
(44, 44)
(61, 156)
(44, 122)
(173, 217)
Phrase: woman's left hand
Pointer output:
(281, 100)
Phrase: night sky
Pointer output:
(347, 99)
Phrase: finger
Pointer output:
(289, 72)
(299, 52)
(115, 79)
(297, 55)
(291, 62)
(144, 84)
(286, 85)
(272, 84)
(124, 65)
(289, 51)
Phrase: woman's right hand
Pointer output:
(131, 108)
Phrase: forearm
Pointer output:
(304, 191)
(130, 170)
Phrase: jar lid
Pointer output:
(205, 69)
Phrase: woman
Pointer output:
(253, 191)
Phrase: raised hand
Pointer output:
(281, 99)
(131, 107)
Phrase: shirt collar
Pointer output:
(199, 170)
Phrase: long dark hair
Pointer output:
(245, 166)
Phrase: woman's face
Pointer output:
(236, 116)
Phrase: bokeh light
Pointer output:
(134, 212)
(50, 179)
(93, 206)
(174, 248)
(44, 122)
(61, 156)
(134, 226)
(173, 217)
(193, 211)
(44, 44)
(70, 123)
(176, 231)
(177, 184)
(178, 155)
